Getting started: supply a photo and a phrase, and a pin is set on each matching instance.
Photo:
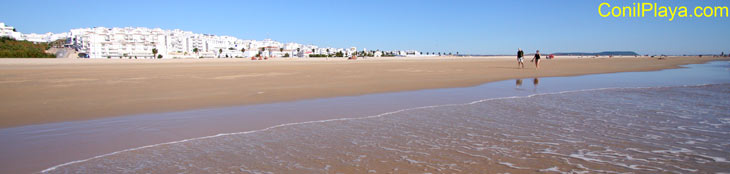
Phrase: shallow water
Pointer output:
(502, 138)
(644, 130)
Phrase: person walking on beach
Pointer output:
(520, 59)
(536, 59)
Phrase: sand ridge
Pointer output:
(37, 91)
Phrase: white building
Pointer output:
(128, 42)
(47, 37)
(103, 42)
(410, 53)
(9, 32)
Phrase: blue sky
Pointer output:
(474, 27)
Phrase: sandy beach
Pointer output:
(364, 87)
(38, 91)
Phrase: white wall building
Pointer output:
(128, 42)
(411, 53)
(48, 37)
(103, 42)
(33, 37)
(9, 32)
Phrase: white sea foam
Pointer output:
(551, 169)
(510, 165)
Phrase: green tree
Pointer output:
(195, 50)
(154, 52)
(281, 49)
(159, 56)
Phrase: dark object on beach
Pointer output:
(352, 58)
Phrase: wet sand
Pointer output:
(631, 130)
(55, 90)
(27, 148)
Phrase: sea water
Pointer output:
(678, 129)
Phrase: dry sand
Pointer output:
(35, 91)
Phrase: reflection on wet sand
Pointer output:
(643, 130)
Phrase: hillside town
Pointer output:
(150, 43)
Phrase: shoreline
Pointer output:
(551, 91)
(79, 140)
(385, 114)
(40, 91)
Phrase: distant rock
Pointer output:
(605, 53)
